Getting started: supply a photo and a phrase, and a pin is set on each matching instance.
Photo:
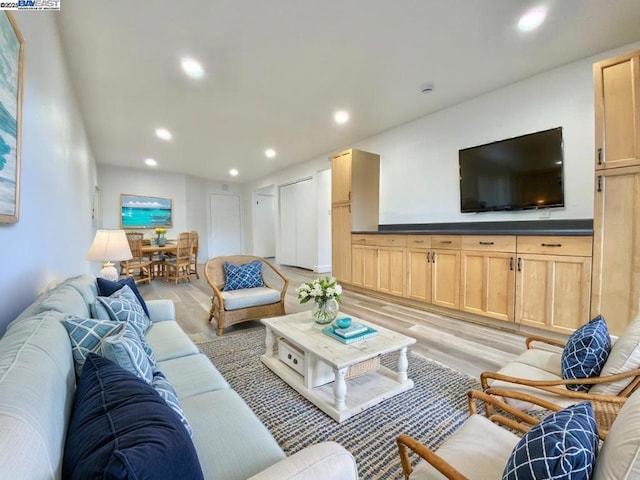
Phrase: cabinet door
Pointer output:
(370, 268)
(617, 111)
(488, 284)
(445, 265)
(341, 242)
(616, 247)
(552, 292)
(419, 274)
(391, 270)
(357, 265)
(341, 177)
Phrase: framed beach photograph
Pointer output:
(145, 212)
(11, 80)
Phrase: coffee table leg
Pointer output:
(340, 388)
(269, 343)
(402, 365)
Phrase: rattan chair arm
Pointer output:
(285, 280)
(491, 400)
(406, 442)
(509, 423)
(216, 291)
(549, 341)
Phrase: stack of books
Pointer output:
(355, 332)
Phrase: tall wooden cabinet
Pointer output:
(355, 179)
(616, 251)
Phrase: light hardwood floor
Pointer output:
(464, 346)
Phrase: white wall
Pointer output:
(58, 176)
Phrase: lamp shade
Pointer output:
(109, 245)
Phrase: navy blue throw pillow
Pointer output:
(247, 275)
(121, 429)
(562, 447)
(106, 288)
(586, 352)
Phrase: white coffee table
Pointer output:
(315, 365)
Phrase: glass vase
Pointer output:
(325, 311)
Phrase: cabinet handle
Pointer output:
(295, 361)
(551, 244)
(599, 189)
(511, 264)
(485, 243)
(600, 156)
(289, 356)
(433, 257)
(446, 241)
(349, 196)
(349, 208)
(428, 257)
(519, 264)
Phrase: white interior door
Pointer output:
(287, 250)
(297, 224)
(225, 236)
(264, 228)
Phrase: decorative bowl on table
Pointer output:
(344, 322)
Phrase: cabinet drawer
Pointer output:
(290, 356)
(489, 243)
(419, 241)
(388, 240)
(446, 242)
(358, 239)
(559, 245)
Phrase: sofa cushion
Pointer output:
(586, 352)
(124, 348)
(192, 375)
(168, 394)
(86, 286)
(168, 341)
(246, 275)
(121, 428)
(563, 447)
(247, 446)
(250, 297)
(624, 356)
(86, 335)
(123, 306)
(64, 299)
(106, 288)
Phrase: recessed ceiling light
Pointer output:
(270, 152)
(532, 19)
(233, 172)
(163, 133)
(341, 117)
(192, 67)
(151, 162)
(559, 162)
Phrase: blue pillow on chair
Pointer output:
(586, 352)
(562, 447)
(247, 275)
(106, 288)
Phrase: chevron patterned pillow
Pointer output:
(247, 275)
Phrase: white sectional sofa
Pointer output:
(37, 386)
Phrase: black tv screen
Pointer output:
(513, 174)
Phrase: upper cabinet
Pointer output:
(617, 111)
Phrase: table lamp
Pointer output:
(109, 245)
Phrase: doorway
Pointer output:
(264, 222)
(225, 234)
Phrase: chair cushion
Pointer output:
(542, 359)
(123, 306)
(124, 348)
(586, 352)
(106, 288)
(250, 297)
(246, 275)
(86, 335)
(468, 451)
(121, 428)
(624, 356)
(563, 447)
(168, 394)
(619, 456)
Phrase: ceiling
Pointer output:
(276, 71)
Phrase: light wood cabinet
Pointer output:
(616, 252)
(364, 267)
(445, 278)
(617, 111)
(391, 270)
(355, 186)
(419, 274)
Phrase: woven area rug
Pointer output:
(432, 410)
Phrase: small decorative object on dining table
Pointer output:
(161, 241)
(325, 293)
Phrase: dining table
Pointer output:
(158, 264)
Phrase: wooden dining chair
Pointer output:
(139, 266)
(178, 267)
(193, 264)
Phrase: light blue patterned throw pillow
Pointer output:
(123, 347)
(561, 447)
(168, 394)
(86, 335)
(247, 275)
(123, 306)
(586, 352)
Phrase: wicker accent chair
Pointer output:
(481, 447)
(177, 268)
(273, 280)
(193, 265)
(139, 264)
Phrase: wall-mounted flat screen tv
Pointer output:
(513, 174)
(145, 212)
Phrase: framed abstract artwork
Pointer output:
(11, 86)
(145, 212)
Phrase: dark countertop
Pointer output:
(579, 227)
